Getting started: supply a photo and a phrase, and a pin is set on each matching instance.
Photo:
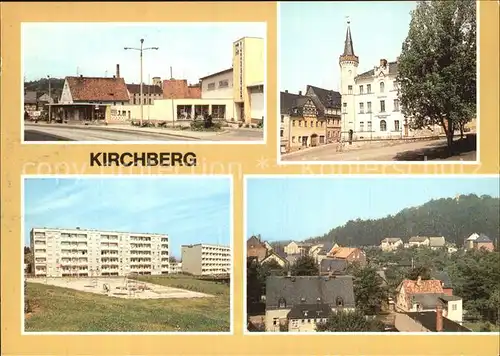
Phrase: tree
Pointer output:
(369, 292)
(172, 259)
(421, 271)
(349, 321)
(305, 266)
(437, 66)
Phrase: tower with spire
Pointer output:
(348, 62)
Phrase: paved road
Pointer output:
(54, 133)
(414, 151)
(93, 134)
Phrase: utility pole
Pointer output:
(149, 93)
(50, 99)
(141, 49)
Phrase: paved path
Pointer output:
(414, 151)
(44, 132)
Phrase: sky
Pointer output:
(190, 210)
(193, 50)
(299, 208)
(312, 37)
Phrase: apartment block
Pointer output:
(204, 259)
(80, 252)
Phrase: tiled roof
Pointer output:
(393, 70)
(97, 89)
(331, 265)
(483, 238)
(275, 254)
(344, 252)
(327, 246)
(392, 239)
(418, 239)
(307, 289)
(30, 97)
(218, 73)
(136, 89)
(428, 321)
(437, 241)
(287, 102)
(422, 286)
(310, 311)
(327, 98)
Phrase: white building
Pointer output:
(218, 85)
(175, 267)
(205, 259)
(79, 252)
(370, 103)
(391, 244)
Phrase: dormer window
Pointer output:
(302, 300)
(282, 303)
(339, 302)
(318, 300)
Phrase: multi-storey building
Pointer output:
(204, 259)
(80, 252)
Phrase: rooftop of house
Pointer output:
(412, 288)
(273, 253)
(418, 239)
(97, 89)
(152, 89)
(393, 70)
(437, 241)
(427, 300)
(217, 73)
(328, 98)
(307, 289)
(331, 265)
(449, 298)
(428, 320)
(327, 247)
(309, 311)
(483, 238)
(344, 252)
(391, 240)
(30, 97)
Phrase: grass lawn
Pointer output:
(476, 327)
(63, 309)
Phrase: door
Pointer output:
(314, 140)
(304, 141)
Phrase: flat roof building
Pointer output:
(206, 259)
(83, 252)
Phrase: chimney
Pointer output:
(286, 91)
(439, 318)
(300, 92)
(118, 71)
(81, 75)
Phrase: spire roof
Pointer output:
(348, 47)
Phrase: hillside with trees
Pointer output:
(453, 218)
(41, 86)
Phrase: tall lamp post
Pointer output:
(141, 49)
(50, 99)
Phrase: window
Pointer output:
(361, 126)
(394, 85)
(382, 106)
(339, 302)
(368, 88)
(361, 89)
(361, 108)
(149, 101)
(383, 125)
(282, 118)
(281, 133)
(344, 107)
(396, 125)
(223, 83)
(369, 126)
(396, 104)
(293, 123)
(349, 89)
(211, 86)
(382, 87)
(282, 303)
(300, 123)
(369, 107)
(453, 307)
(293, 139)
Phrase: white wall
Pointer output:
(66, 97)
(218, 92)
(257, 105)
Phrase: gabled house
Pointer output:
(349, 254)
(274, 256)
(332, 266)
(284, 294)
(436, 243)
(297, 248)
(256, 248)
(419, 241)
(391, 244)
(483, 242)
(328, 103)
(325, 251)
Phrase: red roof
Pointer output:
(179, 89)
(97, 89)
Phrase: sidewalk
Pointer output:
(128, 128)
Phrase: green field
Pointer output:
(66, 310)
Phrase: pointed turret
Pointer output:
(348, 54)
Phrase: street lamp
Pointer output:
(50, 97)
(141, 49)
